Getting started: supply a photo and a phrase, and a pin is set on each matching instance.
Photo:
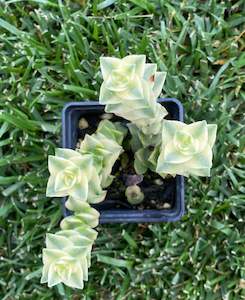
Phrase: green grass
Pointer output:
(49, 56)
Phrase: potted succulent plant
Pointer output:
(130, 144)
(163, 198)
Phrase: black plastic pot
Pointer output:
(109, 211)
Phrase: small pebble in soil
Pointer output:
(166, 205)
(158, 181)
(83, 123)
(149, 204)
(133, 179)
(106, 116)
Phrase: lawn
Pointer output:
(49, 56)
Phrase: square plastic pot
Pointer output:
(71, 114)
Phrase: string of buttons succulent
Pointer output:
(129, 90)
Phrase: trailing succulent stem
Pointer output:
(81, 175)
(130, 90)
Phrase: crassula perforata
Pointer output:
(129, 90)
(186, 149)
